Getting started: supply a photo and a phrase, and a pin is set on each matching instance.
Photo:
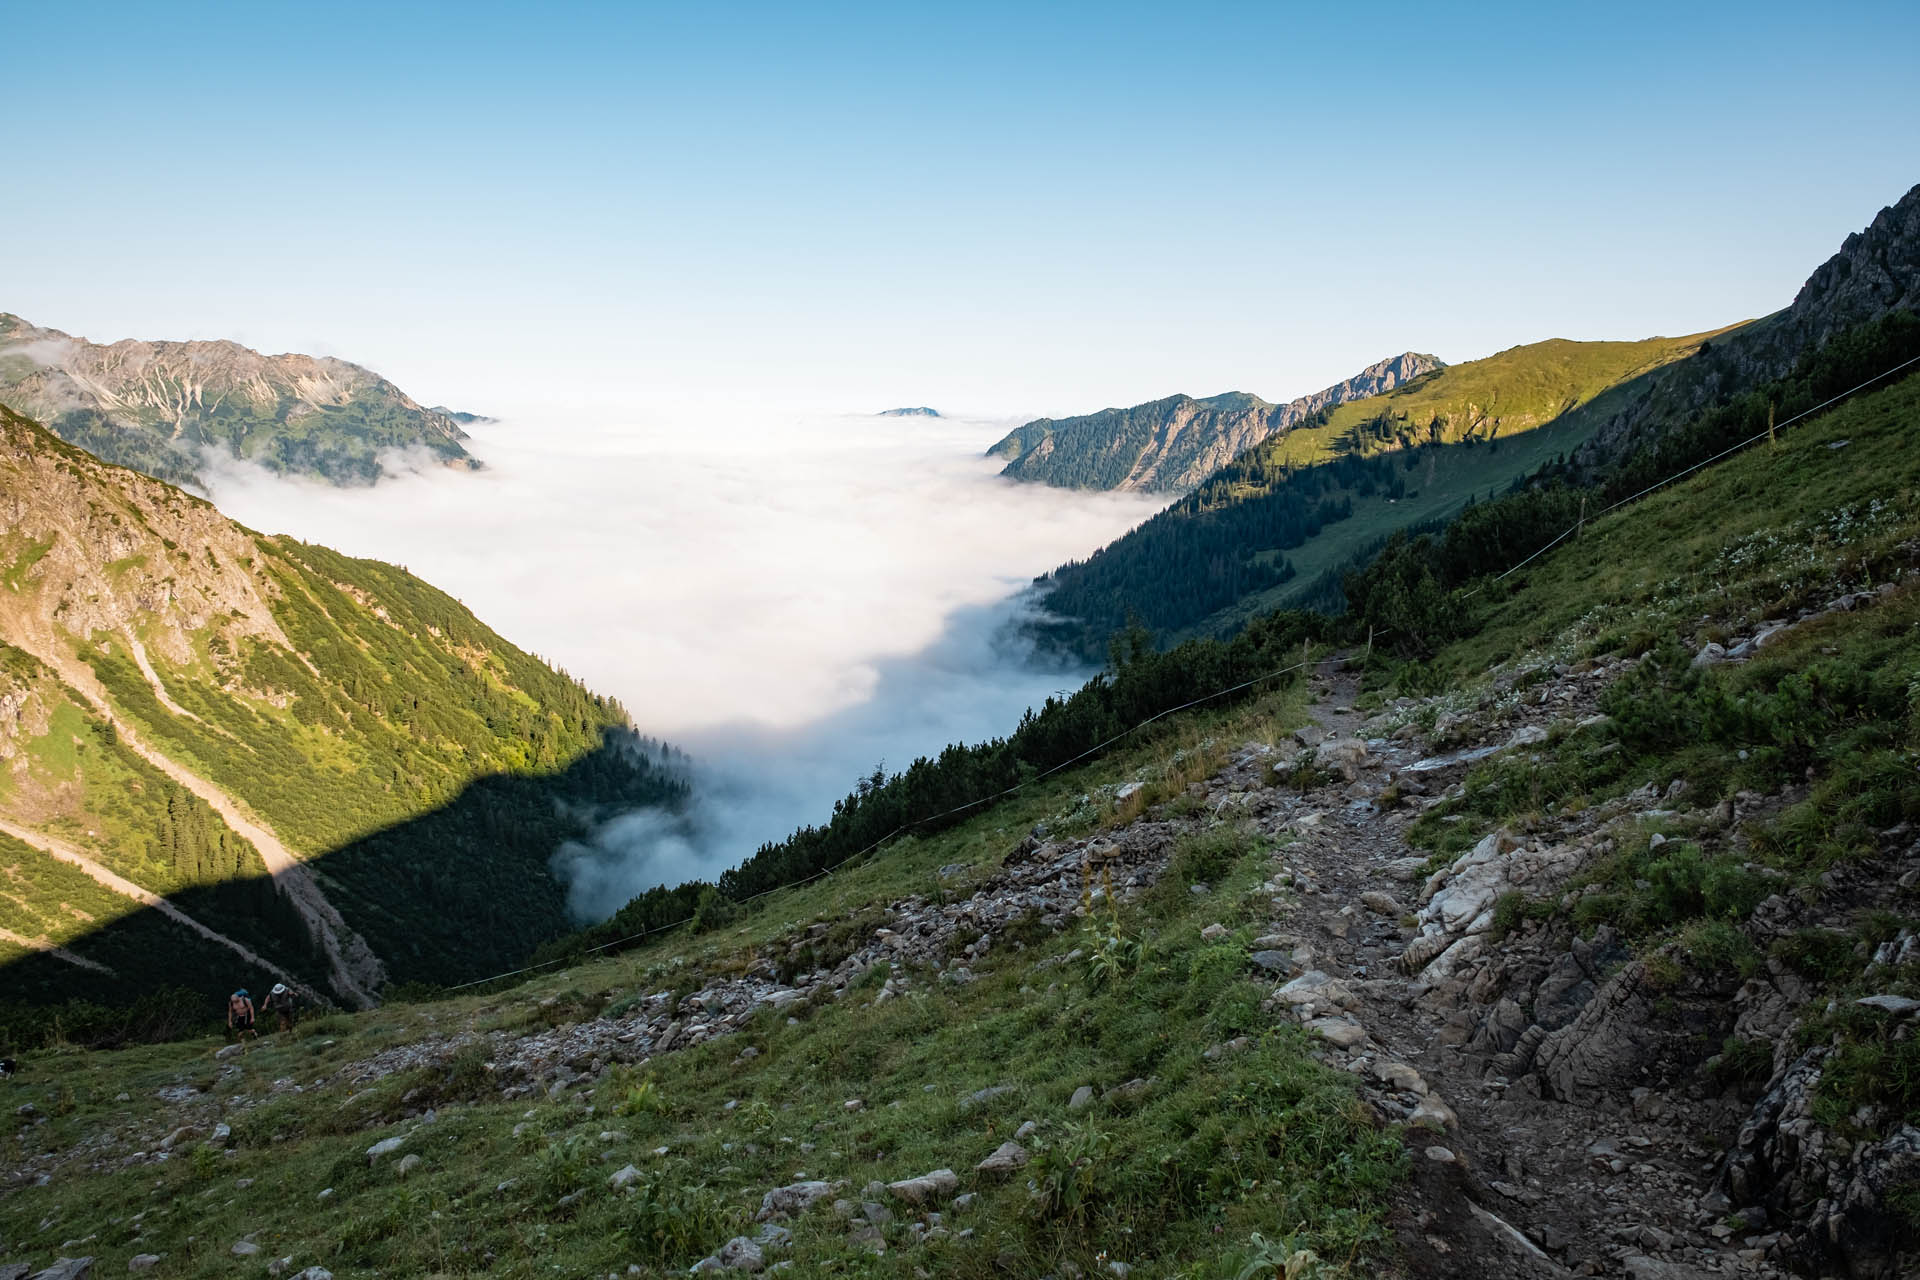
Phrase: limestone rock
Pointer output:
(1007, 1157)
(795, 1197)
(66, 1269)
(928, 1188)
(742, 1254)
(1341, 1032)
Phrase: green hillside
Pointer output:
(917, 1011)
(1265, 529)
(187, 705)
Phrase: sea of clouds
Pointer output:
(792, 599)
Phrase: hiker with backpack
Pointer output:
(240, 1017)
(279, 1002)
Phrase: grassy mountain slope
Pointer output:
(153, 405)
(1171, 445)
(1177, 1174)
(189, 705)
(896, 1066)
(1267, 526)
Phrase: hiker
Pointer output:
(240, 1016)
(279, 1003)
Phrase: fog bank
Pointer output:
(791, 599)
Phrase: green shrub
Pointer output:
(1206, 857)
(671, 1223)
(1068, 1174)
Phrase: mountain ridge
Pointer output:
(1172, 444)
(153, 406)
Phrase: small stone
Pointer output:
(1440, 1155)
(1398, 1075)
(928, 1188)
(244, 1249)
(384, 1147)
(1007, 1157)
(1214, 932)
(1384, 904)
(1025, 1131)
(1341, 1032)
(315, 1273)
(408, 1163)
(742, 1254)
(622, 1177)
(1898, 1006)
(1082, 1098)
(1433, 1113)
(796, 1197)
(142, 1261)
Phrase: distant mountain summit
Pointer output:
(460, 416)
(153, 406)
(1171, 445)
(920, 412)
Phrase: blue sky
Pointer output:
(1000, 209)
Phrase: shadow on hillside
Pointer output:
(454, 893)
(1261, 534)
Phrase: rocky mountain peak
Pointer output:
(156, 406)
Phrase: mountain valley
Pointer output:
(1543, 901)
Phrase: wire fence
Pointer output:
(957, 810)
(909, 826)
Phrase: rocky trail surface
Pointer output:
(1517, 1066)
(1547, 1086)
(1539, 1172)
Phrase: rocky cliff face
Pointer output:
(154, 406)
(1171, 445)
(1875, 272)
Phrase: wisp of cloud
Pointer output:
(791, 599)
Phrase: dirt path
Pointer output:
(57, 952)
(146, 897)
(354, 971)
(1604, 1189)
